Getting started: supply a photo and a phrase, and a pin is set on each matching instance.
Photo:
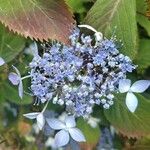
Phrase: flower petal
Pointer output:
(2, 62)
(131, 101)
(17, 71)
(77, 135)
(88, 27)
(34, 49)
(61, 138)
(124, 85)
(40, 121)
(55, 124)
(70, 121)
(140, 86)
(20, 89)
(14, 78)
(31, 115)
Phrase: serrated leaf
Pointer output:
(105, 15)
(142, 144)
(130, 124)
(143, 56)
(91, 134)
(10, 44)
(38, 19)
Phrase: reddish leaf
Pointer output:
(38, 19)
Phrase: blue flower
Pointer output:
(138, 87)
(66, 128)
(16, 79)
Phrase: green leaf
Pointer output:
(142, 19)
(11, 94)
(141, 6)
(144, 22)
(91, 134)
(130, 124)
(78, 5)
(105, 15)
(10, 44)
(143, 56)
(38, 19)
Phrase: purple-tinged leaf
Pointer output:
(38, 19)
(61, 138)
(140, 86)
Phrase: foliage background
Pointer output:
(25, 21)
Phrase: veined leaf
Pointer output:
(130, 124)
(78, 5)
(143, 56)
(105, 15)
(38, 19)
(91, 134)
(142, 19)
(10, 44)
(13, 95)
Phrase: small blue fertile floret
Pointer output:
(80, 75)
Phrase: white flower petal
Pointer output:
(124, 85)
(2, 62)
(77, 135)
(14, 78)
(140, 86)
(70, 121)
(34, 49)
(40, 121)
(88, 27)
(17, 71)
(31, 115)
(20, 89)
(56, 124)
(61, 138)
(131, 101)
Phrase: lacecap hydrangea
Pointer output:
(80, 75)
(86, 73)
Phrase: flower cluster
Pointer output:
(80, 75)
(86, 73)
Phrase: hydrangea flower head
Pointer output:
(80, 75)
